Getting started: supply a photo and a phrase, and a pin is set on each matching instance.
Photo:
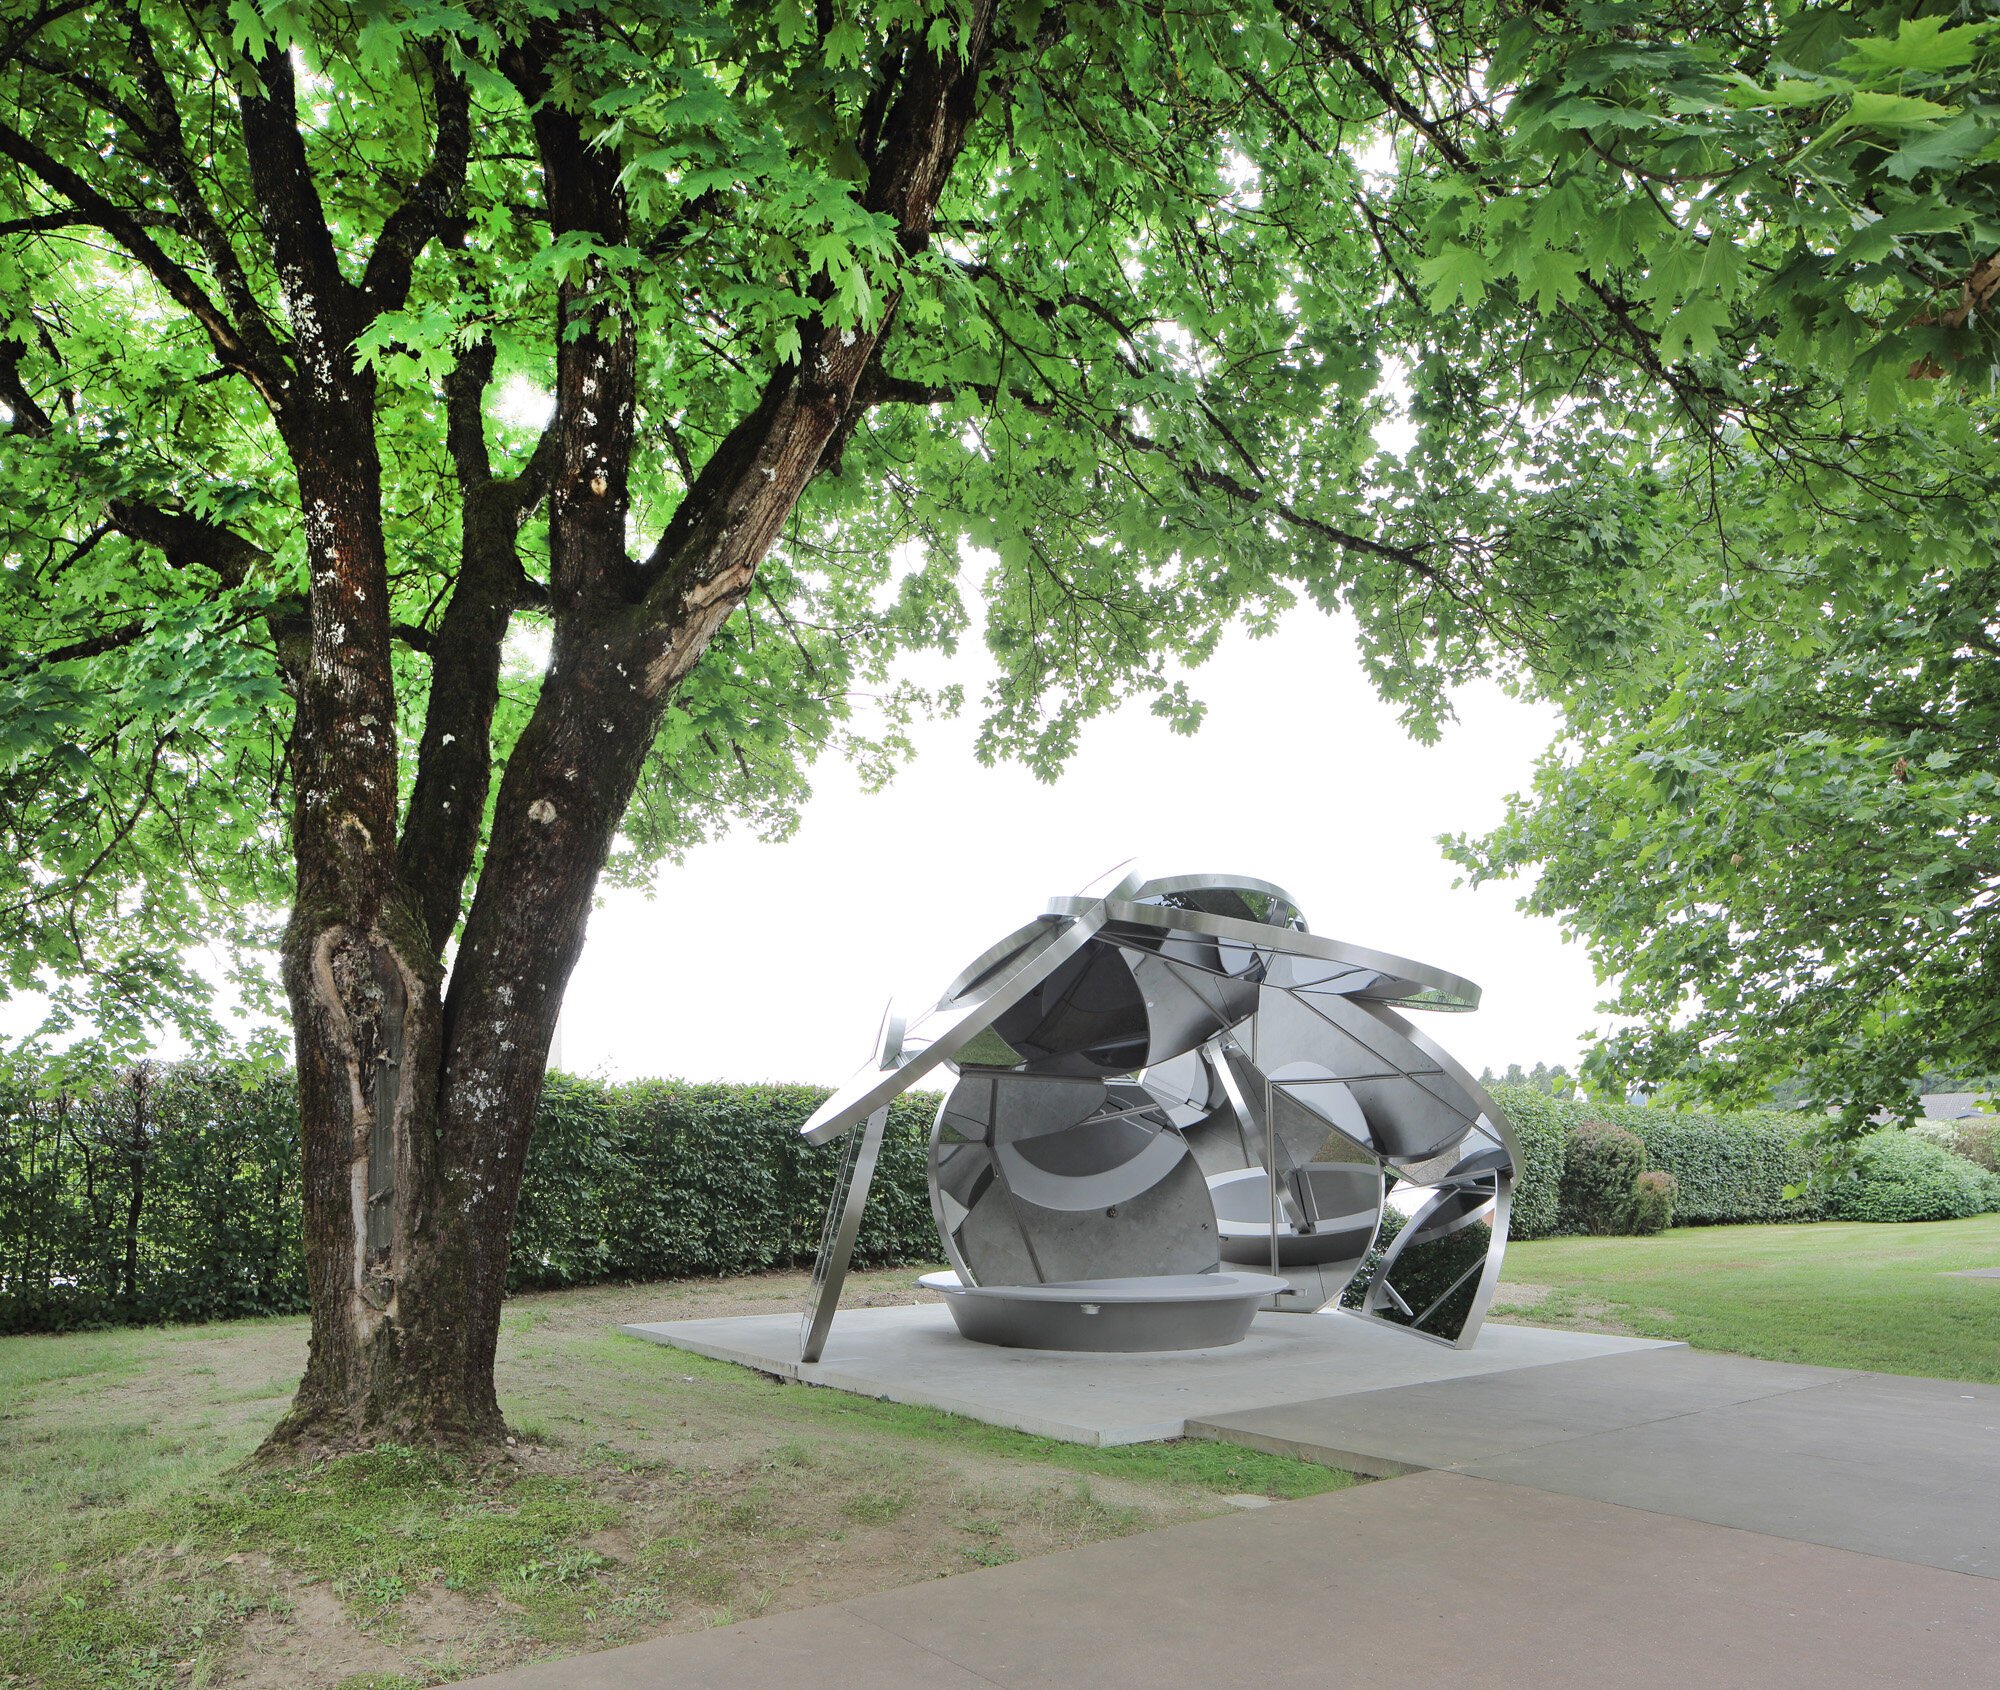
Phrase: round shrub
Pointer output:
(1653, 1202)
(1901, 1176)
(1598, 1173)
(1977, 1138)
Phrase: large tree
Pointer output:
(828, 304)
(1749, 260)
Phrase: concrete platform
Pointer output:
(915, 1355)
(1435, 1579)
(1875, 1463)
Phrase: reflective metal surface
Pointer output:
(1160, 1312)
(843, 1226)
(1172, 1079)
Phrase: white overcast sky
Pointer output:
(773, 962)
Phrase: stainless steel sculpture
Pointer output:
(1164, 1087)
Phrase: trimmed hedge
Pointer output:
(172, 1194)
(1903, 1176)
(1733, 1169)
(1977, 1139)
(1543, 1134)
(169, 1195)
(661, 1180)
(1726, 1168)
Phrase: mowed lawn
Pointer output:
(1834, 1294)
(650, 1491)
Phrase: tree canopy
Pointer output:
(1124, 394)
(1771, 812)
(1691, 307)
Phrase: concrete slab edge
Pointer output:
(1062, 1431)
(1347, 1460)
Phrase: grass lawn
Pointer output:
(1837, 1293)
(652, 1491)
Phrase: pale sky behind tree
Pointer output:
(757, 961)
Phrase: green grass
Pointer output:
(155, 1582)
(1223, 1468)
(1833, 1294)
(656, 1490)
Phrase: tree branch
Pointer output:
(432, 203)
(447, 807)
(165, 147)
(124, 227)
(322, 299)
(882, 388)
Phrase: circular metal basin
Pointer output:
(1175, 1311)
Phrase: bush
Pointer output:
(1976, 1138)
(172, 1193)
(1541, 1127)
(662, 1180)
(1904, 1176)
(1727, 1168)
(1652, 1202)
(1599, 1171)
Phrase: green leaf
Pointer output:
(1937, 149)
(1924, 44)
(1455, 270)
(1893, 111)
(1784, 94)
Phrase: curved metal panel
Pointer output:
(948, 1028)
(1397, 979)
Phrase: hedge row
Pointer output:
(1726, 1168)
(661, 1180)
(173, 1194)
(1543, 1135)
(1905, 1176)
(1735, 1168)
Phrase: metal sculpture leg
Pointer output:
(843, 1225)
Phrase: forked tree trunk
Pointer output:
(418, 1099)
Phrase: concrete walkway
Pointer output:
(1874, 1462)
(1645, 1517)
(1433, 1580)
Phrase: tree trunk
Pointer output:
(136, 1144)
(418, 1103)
